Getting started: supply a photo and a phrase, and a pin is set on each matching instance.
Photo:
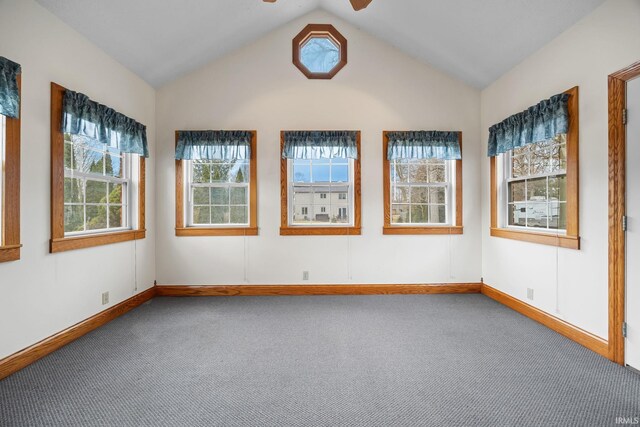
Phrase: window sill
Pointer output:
(10, 253)
(568, 242)
(214, 231)
(320, 231)
(88, 241)
(400, 230)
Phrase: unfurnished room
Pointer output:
(319, 213)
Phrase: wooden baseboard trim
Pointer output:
(260, 290)
(23, 358)
(587, 339)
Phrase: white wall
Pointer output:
(569, 284)
(257, 87)
(42, 293)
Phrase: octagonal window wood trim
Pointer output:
(319, 30)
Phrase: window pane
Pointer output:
(96, 217)
(239, 172)
(201, 172)
(437, 214)
(339, 173)
(320, 172)
(73, 218)
(558, 188)
(400, 172)
(115, 193)
(419, 195)
(516, 191)
(519, 166)
(301, 171)
(201, 214)
(537, 214)
(540, 156)
(400, 194)
(399, 214)
(419, 214)
(201, 195)
(558, 158)
(238, 195)
(340, 215)
(239, 214)
(72, 190)
(220, 195)
(537, 189)
(220, 214)
(418, 171)
(220, 172)
(437, 173)
(115, 216)
(113, 165)
(518, 214)
(96, 192)
(437, 195)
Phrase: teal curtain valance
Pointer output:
(543, 121)
(424, 144)
(9, 93)
(320, 144)
(213, 145)
(88, 118)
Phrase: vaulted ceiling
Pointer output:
(474, 40)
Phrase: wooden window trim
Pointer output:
(313, 30)
(388, 228)
(289, 230)
(10, 232)
(570, 240)
(58, 242)
(250, 230)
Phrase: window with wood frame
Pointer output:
(320, 183)
(534, 185)
(97, 173)
(216, 183)
(422, 178)
(10, 161)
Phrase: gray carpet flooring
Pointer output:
(460, 360)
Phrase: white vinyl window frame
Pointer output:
(3, 156)
(505, 178)
(189, 187)
(291, 194)
(127, 186)
(450, 195)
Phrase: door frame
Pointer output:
(617, 206)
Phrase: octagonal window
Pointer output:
(319, 51)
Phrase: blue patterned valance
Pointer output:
(9, 92)
(213, 145)
(324, 144)
(543, 121)
(88, 118)
(423, 144)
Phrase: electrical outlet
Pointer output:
(530, 293)
(105, 298)
(305, 275)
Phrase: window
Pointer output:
(321, 195)
(534, 188)
(422, 195)
(96, 187)
(319, 51)
(97, 190)
(537, 185)
(220, 195)
(10, 161)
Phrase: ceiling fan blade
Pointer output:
(359, 4)
(269, 1)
